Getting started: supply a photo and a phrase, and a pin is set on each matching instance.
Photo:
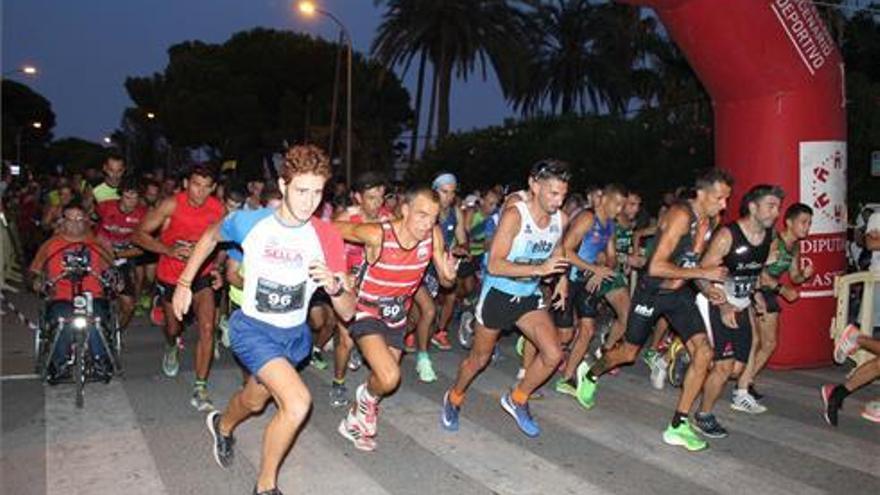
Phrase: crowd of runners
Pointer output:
(293, 270)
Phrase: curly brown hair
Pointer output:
(305, 159)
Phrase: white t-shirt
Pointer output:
(874, 226)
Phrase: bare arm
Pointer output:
(719, 246)
(200, 253)
(674, 226)
(445, 264)
(573, 238)
(461, 235)
(155, 218)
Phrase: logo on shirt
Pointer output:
(528, 229)
(277, 253)
(643, 310)
(541, 247)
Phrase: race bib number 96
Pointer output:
(273, 297)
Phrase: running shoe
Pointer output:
(338, 395)
(648, 357)
(832, 407)
(586, 388)
(708, 425)
(318, 360)
(200, 399)
(754, 392)
(366, 411)
(871, 412)
(744, 402)
(684, 436)
(466, 330)
(449, 415)
(520, 373)
(847, 344)
(425, 370)
(566, 387)
(520, 345)
(352, 430)
(409, 343)
(355, 360)
(223, 445)
(170, 362)
(522, 416)
(658, 371)
(224, 331)
(441, 340)
(270, 491)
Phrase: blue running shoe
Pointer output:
(522, 416)
(449, 417)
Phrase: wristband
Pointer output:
(184, 283)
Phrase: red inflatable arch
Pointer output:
(776, 80)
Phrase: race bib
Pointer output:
(740, 287)
(391, 309)
(276, 298)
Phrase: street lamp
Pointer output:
(107, 140)
(309, 9)
(151, 115)
(29, 70)
(37, 125)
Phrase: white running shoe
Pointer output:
(744, 402)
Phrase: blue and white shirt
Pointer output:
(277, 286)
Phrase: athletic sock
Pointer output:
(519, 397)
(678, 418)
(422, 355)
(838, 394)
(455, 398)
(339, 381)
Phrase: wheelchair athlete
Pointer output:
(73, 253)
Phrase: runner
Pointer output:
(369, 194)
(663, 291)
(455, 240)
(114, 170)
(833, 395)
(742, 247)
(397, 255)
(188, 215)
(590, 235)
(118, 220)
(288, 255)
(784, 258)
(526, 248)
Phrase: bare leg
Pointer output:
(539, 329)
(619, 300)
(701, 354)
(586, 330)
(427, 314)
(203, 305)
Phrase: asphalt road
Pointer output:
(140, 435)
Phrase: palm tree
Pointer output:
(584, 58)
(457, 36)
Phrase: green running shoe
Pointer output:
(684, 436)
(564, 386)
(648, 357)
(520, 344)
(586, 388)
(318, 360)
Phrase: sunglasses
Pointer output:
(551, 169)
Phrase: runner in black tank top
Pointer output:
(664, 291)
(742, 247)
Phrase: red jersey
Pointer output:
(50, 261)
(186, 226)
(117, 226)
(354, 253)
(387, 286)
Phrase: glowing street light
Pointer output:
(309, 9)
(151, 115)
(37, 125)
(28, 70)
(107, 140)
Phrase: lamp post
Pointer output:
(35, 125)
(28, 70)
(310, 9)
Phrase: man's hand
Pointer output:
(716, 295)
(560, 294)
(728, 316)
(181, 301)
(322, 275)
(217, 282)
(181, 251)
(552, 266)
(715, 274)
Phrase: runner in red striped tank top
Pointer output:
(369, 196)
(397, 254)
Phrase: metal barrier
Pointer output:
(842, 288)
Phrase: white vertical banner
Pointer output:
(823, 184)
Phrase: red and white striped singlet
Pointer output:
(387, 286)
